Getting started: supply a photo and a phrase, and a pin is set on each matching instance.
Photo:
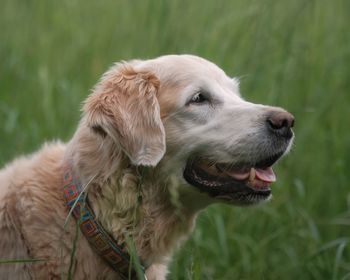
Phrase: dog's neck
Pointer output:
(128, 201)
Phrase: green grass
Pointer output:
(294, 54)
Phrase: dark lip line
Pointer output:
(267, 162)
(222, 186)
(264, 163)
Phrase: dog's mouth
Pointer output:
(241, 184)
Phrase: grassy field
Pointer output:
(294, 54)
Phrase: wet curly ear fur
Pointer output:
(124, 106)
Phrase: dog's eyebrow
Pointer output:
(205, 92)
(235, 83)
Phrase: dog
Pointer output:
(158, 141)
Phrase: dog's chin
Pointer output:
(239, 184)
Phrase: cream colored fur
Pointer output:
(133, 140)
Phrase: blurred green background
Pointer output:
(294, 54)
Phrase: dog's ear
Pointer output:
(124, 106)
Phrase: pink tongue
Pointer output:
(266, 175)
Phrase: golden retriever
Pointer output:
(158, 141)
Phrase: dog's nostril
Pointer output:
(281, 123)
(280, 120)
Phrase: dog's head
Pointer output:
(185, 113)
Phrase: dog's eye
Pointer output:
(198, 98)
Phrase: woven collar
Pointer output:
(114, 254)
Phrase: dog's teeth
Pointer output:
(252, 175)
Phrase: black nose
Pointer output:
(280, 123)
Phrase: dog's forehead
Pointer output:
(182, 70)
(181, 76)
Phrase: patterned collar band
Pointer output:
(104, 245)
